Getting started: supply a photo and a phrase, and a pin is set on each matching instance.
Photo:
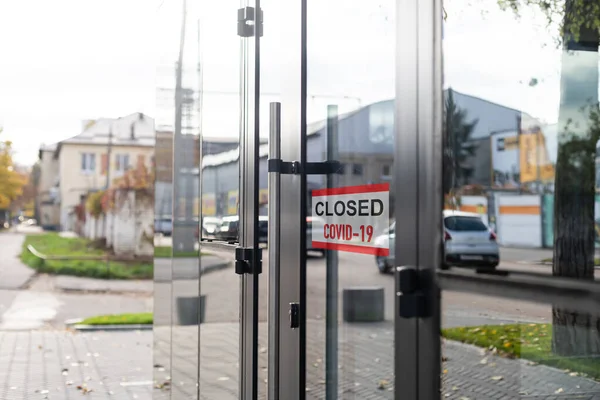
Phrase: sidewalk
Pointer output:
(61, 365)
(367, 367)
(13, 273)
(118, 365)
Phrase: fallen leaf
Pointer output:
(382, 384)
(497, 378)
(560, 390)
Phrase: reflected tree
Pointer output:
(458, 147)
(575, 334)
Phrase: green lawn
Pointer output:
(51, 244)
(120, 319)
(528, 341)
(167, 252)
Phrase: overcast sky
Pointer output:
(68, 60)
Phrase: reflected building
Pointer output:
(365, 151)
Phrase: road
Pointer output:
(221, 289)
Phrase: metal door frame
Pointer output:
(418, 191)
(248, 256)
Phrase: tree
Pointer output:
(458, 147)
(26, 200)
(11, 182)
(574, 333)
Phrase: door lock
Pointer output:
(413, 296)
(294, 315)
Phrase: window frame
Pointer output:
(87, 163)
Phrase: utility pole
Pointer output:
(108, 154)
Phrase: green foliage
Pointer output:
(51, 244)
(577, 18)
(11, 182)
(458, 147)
(167, 252)
(527, 341)
(93, 204)
(120, 319)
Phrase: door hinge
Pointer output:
(294, 315)
(310, 168)
(248, 260)
(413, 297)
(247, 22)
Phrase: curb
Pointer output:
(543, 264)
(216, 267)
(75, 323)
(112, 328)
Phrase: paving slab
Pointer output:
(366, 366)
(63, 365)
(121, 365)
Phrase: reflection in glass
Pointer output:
(219, 193)
(520, 154)
(350, 120)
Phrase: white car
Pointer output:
(313, 224)
(468, 242)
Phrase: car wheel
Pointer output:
(445, 266)
(382, 265)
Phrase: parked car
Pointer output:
(163, 226)
(468, 242)
(229, 229)
(210, 225)
(312, 224)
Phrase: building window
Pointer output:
(122, 162)
(88, 162)
(386, 170)
(357, 169)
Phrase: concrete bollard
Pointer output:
(190, 310)
(364, 304)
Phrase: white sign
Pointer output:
(353, 217)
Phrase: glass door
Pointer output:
(354, 171)
(208, 264)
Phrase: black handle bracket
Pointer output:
(247, 21)
(413, 297)
(248, 260)
(310, 168)
(294, 315)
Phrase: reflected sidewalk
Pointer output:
(366, 366)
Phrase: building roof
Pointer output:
(135, 129)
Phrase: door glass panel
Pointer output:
(219, 285)
(520, 153)
(178, 82)
(350, 332)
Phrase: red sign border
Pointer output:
(376, 187)
(352, 248)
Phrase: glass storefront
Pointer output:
(353, 218)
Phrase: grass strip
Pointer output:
(120, 319)
(51, 244)
(531, 342)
